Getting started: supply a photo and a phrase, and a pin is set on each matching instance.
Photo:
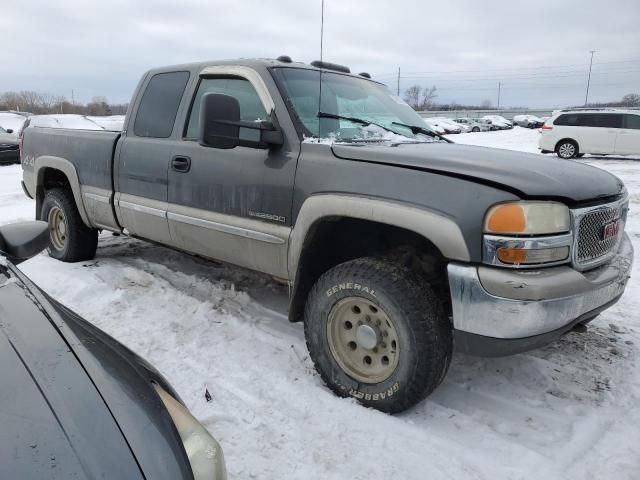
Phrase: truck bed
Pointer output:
(90, 151)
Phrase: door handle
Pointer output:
(181, 164)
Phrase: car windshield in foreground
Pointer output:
(351, 109)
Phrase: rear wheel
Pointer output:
(567, 149)
(475, 129)
(377, 332)
(70, 240)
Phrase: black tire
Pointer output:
(567, 149)
(80, 242)
(475, 129)
(424, 332)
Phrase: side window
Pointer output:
(159, 105)
(251, 108)
(632, 121)
(610, 120)
(588, 120)
(567, 120)
(603, 120)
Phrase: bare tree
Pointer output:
(412, 96)
(631, 100)
(428, 98)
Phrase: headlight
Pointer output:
(527, 234)
(527, 218)
(204, 452)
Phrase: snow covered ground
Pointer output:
(568, 411)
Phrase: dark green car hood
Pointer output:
(524, 174)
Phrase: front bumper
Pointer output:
(500, 312)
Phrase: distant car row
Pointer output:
(446, 126)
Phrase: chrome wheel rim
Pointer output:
(363, 340)
(567, 150)
(57, 228)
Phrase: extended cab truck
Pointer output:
(397, 244)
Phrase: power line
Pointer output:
(563, 74)
(511, 68)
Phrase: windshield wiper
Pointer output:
(360, 121)
(417, 129)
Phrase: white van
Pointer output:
(572, 133)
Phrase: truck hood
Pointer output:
(524, 174)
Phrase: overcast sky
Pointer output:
(539, 50)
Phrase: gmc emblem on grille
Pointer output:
(610, 230)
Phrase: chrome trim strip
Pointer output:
(143, 209)
(477, 311)
(96, 197)
(230, 229)
(491, 243)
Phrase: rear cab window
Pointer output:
(158, 107)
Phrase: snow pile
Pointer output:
(63, 121)
(368, 133)
(112, 123)
(567, 411)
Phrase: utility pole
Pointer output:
(398, 81)
(586, 97)
(499, 85)
(73, 102)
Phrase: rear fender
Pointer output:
(66, 167)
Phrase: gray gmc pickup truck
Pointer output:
(398, 245)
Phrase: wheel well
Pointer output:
(334, 240)
(566, 140)
(49, 178)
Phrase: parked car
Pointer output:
(433, 125)
(234, 161)
(75, 402)
(448, 127)
(499, 121)
(10, 120)
(571, 134)
(487, 122)
(451, 123)
(528, 121)
(9, 151)
(475, 125)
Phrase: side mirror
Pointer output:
(221, 127)
(9, 130)
(21, 241)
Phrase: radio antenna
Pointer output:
(321, 58)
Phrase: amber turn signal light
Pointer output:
(514, 256)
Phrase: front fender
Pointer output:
(439, 229)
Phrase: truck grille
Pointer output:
(591, 248)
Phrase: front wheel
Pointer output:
(377, 332)
(475, 129)
(70, 240)
(567, 149)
